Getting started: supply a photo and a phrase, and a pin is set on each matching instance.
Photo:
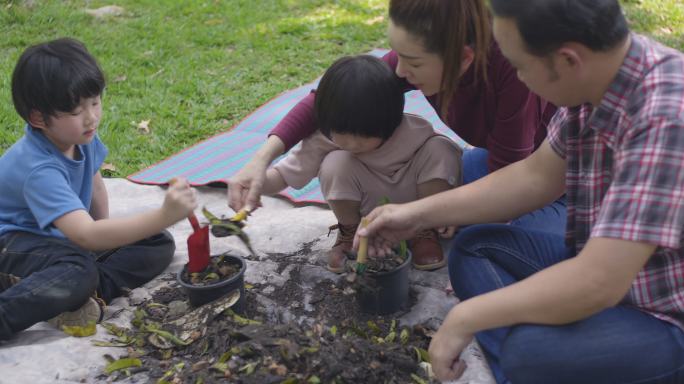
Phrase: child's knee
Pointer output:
(337, 164)
(161, 253)
(75, 283)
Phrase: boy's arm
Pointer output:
(99, 206)
(79, 227)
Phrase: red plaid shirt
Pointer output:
(625, 171)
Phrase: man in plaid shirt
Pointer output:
(607, 304)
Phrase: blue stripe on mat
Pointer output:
(219, 157)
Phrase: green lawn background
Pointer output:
(196, 68)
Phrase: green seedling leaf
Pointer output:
(422, 355)
(390, 337)
(374, 327)
(114, 329)
(225, 357)
(122, 364)
(393, 326)
(100, 343)
(248, 369)
(333, 330)
(404, 336)
(290, 380)
(78, 331)
(241, 320)
(417, 379)
(169, 336)
(314, 380)
(221, 367)
(211, 276)
(311, 350)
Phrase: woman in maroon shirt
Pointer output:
(444, 49)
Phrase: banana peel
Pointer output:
(229, 227)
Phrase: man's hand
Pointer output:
(387, 225)
(445, 351)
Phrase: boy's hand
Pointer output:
(180, 200)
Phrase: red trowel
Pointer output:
(198, 243)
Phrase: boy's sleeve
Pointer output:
(49, 195)
(302, 163)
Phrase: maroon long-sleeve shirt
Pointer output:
(501, 115)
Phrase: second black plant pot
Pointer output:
(202, 294)
(385, 292)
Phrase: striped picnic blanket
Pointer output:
(217, 158)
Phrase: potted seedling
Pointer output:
(206, 278)
(382, 284)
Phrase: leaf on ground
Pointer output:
(375, 20)
(144, 127)
(78, 331)
(108, 168)
(122, 364)
(422, 355)
(106, 11)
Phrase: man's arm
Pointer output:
(79, 227)
(511, 191)
(99, 206)
(598, 278)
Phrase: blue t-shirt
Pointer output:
(39, 184)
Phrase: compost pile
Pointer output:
(339, 344)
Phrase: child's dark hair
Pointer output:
(359, 95)
(53, 77)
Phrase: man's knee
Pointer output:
(529, 355)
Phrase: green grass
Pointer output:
(660, 19)
(196, 68)
(192, 68)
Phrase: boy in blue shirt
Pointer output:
(59, 250)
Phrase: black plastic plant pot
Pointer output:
(385, 292)
(202, 294)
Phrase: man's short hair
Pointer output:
(53, 77)
(547, 24)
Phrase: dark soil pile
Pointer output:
(338, 345)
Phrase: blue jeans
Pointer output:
(59, 276)
(617, 345)
(551, 218)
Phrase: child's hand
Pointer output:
(446, 232)
(180, 200)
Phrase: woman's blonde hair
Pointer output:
(445, 28)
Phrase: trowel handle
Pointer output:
(194, 222)
(191, 217)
